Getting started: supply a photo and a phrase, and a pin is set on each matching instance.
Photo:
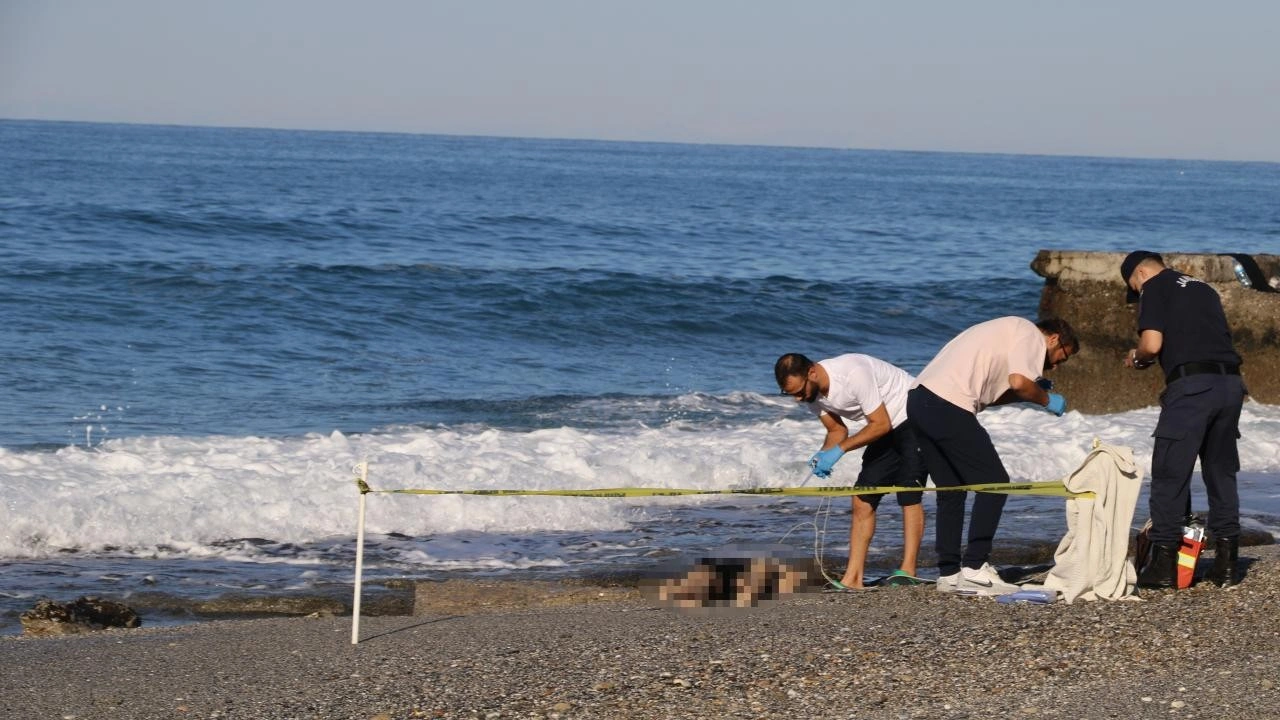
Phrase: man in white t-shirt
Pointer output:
(991, 363)
(871, 392)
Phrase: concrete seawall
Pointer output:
(1085, 289)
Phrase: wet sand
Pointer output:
(885, 653)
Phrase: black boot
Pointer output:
(1225, 553)
(1161, 570)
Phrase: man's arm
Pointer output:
(1023, 389)
(878, 425)
(837, 432)
(1149, 344)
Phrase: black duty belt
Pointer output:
(1201, 368)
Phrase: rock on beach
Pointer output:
(1085, 289)
(906, 652)
(85, 614)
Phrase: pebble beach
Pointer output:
(907, 652)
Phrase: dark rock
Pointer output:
(85, 614)
(1085, 289)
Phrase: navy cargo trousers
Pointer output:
(1199, 417)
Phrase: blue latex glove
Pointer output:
(823, 460)
(1057, 404)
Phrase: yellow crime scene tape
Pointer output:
(1053, 488)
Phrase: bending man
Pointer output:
(991, 363)
(863, 389)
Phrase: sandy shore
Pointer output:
(885, 653)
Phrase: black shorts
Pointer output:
(894, 460)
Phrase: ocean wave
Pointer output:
(157, 492)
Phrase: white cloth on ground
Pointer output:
(1092, 560)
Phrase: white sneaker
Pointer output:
(951, 584)
(983, 581)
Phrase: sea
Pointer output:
(204, 331)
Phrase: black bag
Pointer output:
(1142, 546)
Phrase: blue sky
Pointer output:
(1134, 79)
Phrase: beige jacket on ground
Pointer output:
(1092, 560)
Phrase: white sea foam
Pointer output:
(174, 495)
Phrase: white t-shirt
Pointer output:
(860, 384)
(973, 370)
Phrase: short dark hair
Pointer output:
(1061, 328)
(790, 365)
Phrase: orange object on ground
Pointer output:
(1189, 554)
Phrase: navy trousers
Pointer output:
(1199, 417)
(958, 451)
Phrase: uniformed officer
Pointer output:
(1182, 325)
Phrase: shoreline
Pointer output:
(400, 595)
(887, 653)
(464, 593)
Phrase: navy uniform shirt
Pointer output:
(1189, 314)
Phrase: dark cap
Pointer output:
(1131, 262)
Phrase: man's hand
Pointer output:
(823, 460)
(1057, 404)
(1131, 360)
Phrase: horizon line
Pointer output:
(557, 138)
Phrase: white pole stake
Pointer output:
(363, 470)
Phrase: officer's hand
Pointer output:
(1057, 404)
(823, 460)
(1131, 360)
